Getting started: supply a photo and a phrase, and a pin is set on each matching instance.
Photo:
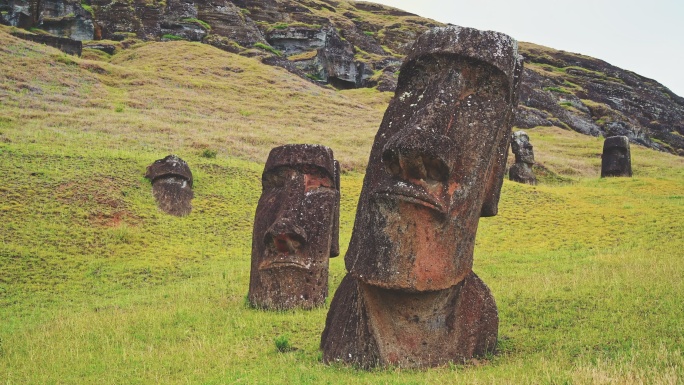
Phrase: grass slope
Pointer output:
(98, 286)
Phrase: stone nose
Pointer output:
(416, 154)
(415, 160)
(415, 165)
(285, 237)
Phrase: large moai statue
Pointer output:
(521, 171)
(171, 185)
(616, 159)
(410, 297)
(296, 228)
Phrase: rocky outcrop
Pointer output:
(70, 46)
(357, 44)
(595, 98)
(62, 18)
(335, 42)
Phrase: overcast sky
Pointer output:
(646, 37)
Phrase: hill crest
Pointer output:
(351, 44)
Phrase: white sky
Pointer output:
(646, 37)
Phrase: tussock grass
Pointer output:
(98, 286)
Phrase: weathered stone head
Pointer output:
(296, 228)
(436, 166)
(437, 162)
(522, 171)
(522, 148)
(171, 185)
(616, 159)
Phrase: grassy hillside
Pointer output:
(98, 286)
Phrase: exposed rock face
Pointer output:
(595, 98)
(70, 46)
(64, 18)
(171, 185)
(328, 42)
(616, 159)
(296, 228)
(410, 297)
(357, 44)
(521, 171)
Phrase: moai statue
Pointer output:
(616, 159)
(521, 171)
(296, 228)
(171, 185)
(410, 297)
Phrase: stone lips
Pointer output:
(436, 166)
(295, 228)
(616, 159)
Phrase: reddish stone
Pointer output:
(296, 228)
(421, 329)
(436, 166)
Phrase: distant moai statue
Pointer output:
(521, 171)
(616, 159)
(410, 297)
(296, 228)
(171, 185)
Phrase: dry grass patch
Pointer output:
(166, 96)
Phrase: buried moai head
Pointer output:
(437, 162)
(296, 228)
(436, 166)
(171, 185)
(616, 159)
(522, 171)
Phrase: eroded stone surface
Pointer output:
(171, 185)
(521, 171)
(436, 166)
(296, 228)
(616, 159)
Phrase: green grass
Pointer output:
(202, 23)
(98, 286)
(88, 8)
(171, 37)
(560, 90)
(268, 48)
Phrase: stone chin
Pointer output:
(410, 246)
(277, 261)
(289, 285)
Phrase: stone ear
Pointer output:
(490, 206)
(494, 181)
